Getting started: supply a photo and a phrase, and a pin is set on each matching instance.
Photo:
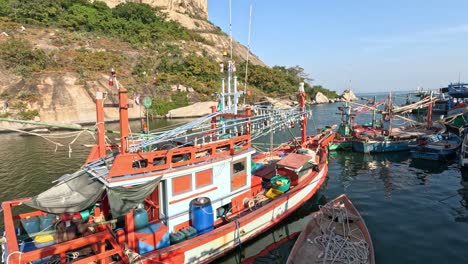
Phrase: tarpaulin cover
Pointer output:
(74, 193)
(124, 199)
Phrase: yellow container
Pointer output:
(273, 193)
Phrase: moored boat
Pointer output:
(187, 195)
(397, 139)
(336, 234)
(435, 147)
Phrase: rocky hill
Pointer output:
(195, 8)
(55, 54)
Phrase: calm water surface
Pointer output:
(416, 212)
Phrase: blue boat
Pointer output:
(457, 90)
(380, 145)
(435, 147)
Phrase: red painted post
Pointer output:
(12, 242)
(248, 112)
(302, 96)
(100, 124)
(213, 119)
(429, 113)
(123, 111)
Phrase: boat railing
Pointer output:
(103, 242)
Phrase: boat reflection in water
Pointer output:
(274, 246)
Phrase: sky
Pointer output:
(368, 45)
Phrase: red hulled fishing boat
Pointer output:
(185, 195)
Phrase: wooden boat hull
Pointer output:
(444, 146)
(305, 250)
(373, 146)
(207, 247)
(340, 145)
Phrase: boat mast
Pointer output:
(373, 112)
(429, 112)
(302, 95)
(100, 124)
(123, 112)
(390, 115)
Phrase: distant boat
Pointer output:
(347, 130)
(435, 147)
(457, 116)
(335, 234)
(396, 139)
(457, 90)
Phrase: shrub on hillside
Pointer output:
(20, 57)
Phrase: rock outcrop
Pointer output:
(194, 110)
(193, 7)
(281, 104)
(64, 99)
(320, 98)
(348, 95)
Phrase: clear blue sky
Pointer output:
(379, 45)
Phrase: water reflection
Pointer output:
(274, 246)
(381, 167)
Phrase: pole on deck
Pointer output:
(100, 124)
(302, 95)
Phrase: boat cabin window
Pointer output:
(238, 167)
(238, 174)
(159, 161)
(182, 184)
(222, 148)
(203, 178)
(138, 164)
(180, 157)
(203, 153)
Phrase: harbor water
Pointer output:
(416, 211)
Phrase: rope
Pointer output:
(33, 134)
(11, 254)
(340, 247)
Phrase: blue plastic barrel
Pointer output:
(140, 217)
(31, 224)
(201, 214)
(46, 222)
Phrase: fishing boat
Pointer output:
(457, 90)
(397, 139)
(189, 194)
(336, 234)
(435, 147)
(347, 129)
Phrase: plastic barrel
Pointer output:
(140, 217)
(46, 222)
(31, 224)
(281, 183)
(202, 215)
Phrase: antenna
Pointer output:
(248, 52)
(230, 25)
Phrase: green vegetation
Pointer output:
(162, 106)
(166, 54)
(312, 91)
(18, 56)
(28, 114)
(137, 23)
